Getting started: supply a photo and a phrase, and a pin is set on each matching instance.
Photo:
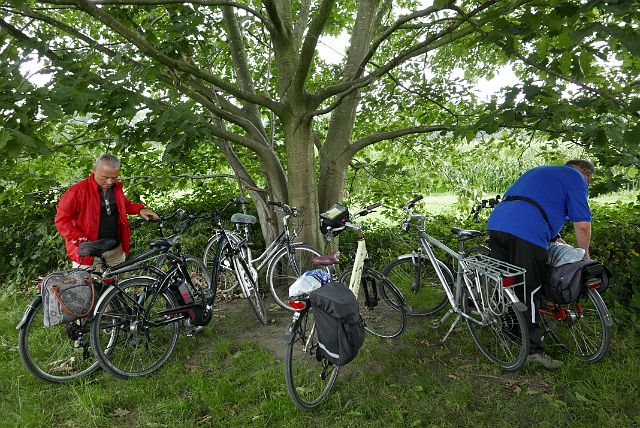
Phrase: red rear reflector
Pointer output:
(595, 285)
(508, 281)
(108, 281)
(298, 305)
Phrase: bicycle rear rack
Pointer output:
(496, 271)
(493, 280)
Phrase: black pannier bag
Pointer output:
(568, 282)
(338, 324)
(334, 217)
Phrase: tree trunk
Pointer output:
(303, 191)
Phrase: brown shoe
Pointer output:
(545, 361)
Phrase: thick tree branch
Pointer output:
(169, 62)
(441, 38)
(239, 56)
(361, 143)
(310, 43)
(215, 3)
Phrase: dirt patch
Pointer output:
(234, 319)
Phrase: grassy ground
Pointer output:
(232, 375)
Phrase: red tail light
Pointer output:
(298, 305)
(508, 281)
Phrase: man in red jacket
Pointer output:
(96, 208)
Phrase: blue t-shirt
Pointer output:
(560, 190)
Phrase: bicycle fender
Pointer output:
(287, 337)
(30, 308)
(102, 297)
(517, 304)
(104, 294)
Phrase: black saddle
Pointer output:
(463, 235)
(96, 248)
(164, 243)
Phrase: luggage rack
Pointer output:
(497, 271)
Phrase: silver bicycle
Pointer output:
(284, 259)
(482, 292)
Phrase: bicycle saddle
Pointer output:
(164, 243)
(96, 248)
(328, 260)
(243, 218)
(463, 235)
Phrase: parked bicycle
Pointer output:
(137, 322)
(309, 377)
(482, 292)
(64, 352)
(582, 328)
(417, 279)
(284, 260)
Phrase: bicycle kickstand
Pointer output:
(438, 323)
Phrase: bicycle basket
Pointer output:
(333, 218)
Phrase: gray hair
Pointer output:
(581, 164)
(109, 160)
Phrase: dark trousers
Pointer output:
(511, 249)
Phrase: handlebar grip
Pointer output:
(416, 198)
(241, 201)
(373, 206)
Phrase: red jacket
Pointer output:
(78, 216)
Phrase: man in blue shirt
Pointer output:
(531, 214)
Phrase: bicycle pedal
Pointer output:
(436, 324)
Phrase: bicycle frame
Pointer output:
(160, 283)
(427, 243)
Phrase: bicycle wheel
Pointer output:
(223, 276)
(308, 376)
(201, 283)
(248, 279)
(381, 305)
(55, 354)
(504, 338)
(281, 272)
(144, 339)
(208, 259)
(477, 249)
(424, 295)
(584, 327)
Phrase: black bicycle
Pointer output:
(137, 321)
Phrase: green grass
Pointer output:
(224, 378)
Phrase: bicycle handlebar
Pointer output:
(368, 210)
(292, 211)
(413, 201)
(485, 203)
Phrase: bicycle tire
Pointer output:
(201, 283)
(55, 354)
(586, 328)
(133, 353)
(208, 258)
(477, 249)
(281, 274)
(426, 297)
(308, 376)
(223, 276)
(503, 339)
(248, 277)
(381, 305)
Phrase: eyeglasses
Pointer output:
(107, 206)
